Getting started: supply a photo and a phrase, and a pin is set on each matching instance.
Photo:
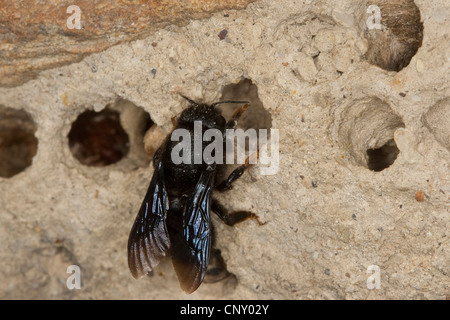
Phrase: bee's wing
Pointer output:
(149, 238)
(191, 247)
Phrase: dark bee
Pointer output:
(174, 217)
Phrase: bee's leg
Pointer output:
(226, 185)
(236, 174)
(217, 268)
(174, 122)
(235, 117)
(231, 218)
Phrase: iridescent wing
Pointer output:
(192, 246)
(149, 238)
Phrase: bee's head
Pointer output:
(207, 114)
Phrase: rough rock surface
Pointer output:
(31, 41)
(357, 191)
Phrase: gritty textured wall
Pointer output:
(31, 41)
(329, 217)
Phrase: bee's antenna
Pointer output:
(192, 102)
(228, 101)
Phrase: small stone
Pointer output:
(309, 232)
(439, 15)
(222, 34)
(344, 18)
(153, 73)
(306, 68)
(420, 66)
(419, 196)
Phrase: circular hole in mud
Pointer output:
(255, 116)
(437, 120)
(18, 144)
(144, 134)
(365, 131)
(97, 138)
(382, 158)
(394, 32)
(255, 122)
